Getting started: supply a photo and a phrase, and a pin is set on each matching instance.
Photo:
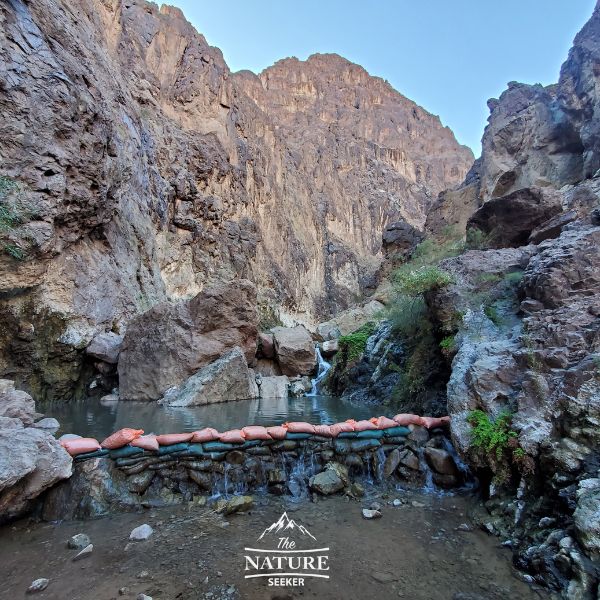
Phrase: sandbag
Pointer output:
(208, 434)
(217, 446)
(364, 425)
(370, 434)
(256, 432)
(362, 445)
(347, 435)
(121, 438)
(383, 422)
(432, 422)
(298, 436)
(173, 448)
(299, 427)
(195, 450)
(80, 445)
(233, 436)
(406, 419)
(96, 454)
(338, 428)
(125, 452)
(323, 430)
(168, 439)
(147, 442)
(277, 433)
(396, 431)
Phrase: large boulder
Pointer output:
(31, 460)
(295, 350)
(105, 347)
(228, 378)
(170, 342)
(274, 387)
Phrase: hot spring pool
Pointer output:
(92, 418)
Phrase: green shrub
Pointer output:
(491, 436)
(448, 344)
(478, 240)
(492, 313)
(352, 346)
(421, 280)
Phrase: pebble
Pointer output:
(141, 533)
(143, 575)
(464, 527)
(397, 502)
(416, 504)
(87, 551)
(79, 541)
(382, 577)
(143, 597)
(376, 506)
(123, 591)
(371, 514)
(39, 585)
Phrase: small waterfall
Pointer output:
(323, 368)
(429, 486)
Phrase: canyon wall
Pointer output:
(137, 168)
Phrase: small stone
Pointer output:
(397, 502)
(382, 577)
(546, 522)
(143, 575)
(464, 527)
(141, 533)
(416, 504)
(38, 585)
(79, 541)
(123, 591)
(375, 506)
(371, 514)
(87, 551)
(234, 505)
(143, 597)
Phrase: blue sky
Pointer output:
(449, 56)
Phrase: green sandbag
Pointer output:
(342, 446)
(195, 450)
(347, 435)
(162, 450)
(361, 445)
(396, 431)
(298, 436)
(250, 444)
(216, 455)
(94, 454)
(219, 446)
(369, 434)
(125, 452)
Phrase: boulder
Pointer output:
(400, 239)
(329, 347)
(267, 367)
(391, 463)
(274, 387)
(440, 461)
(224, 380)
(105, 347)
(266, 348)
(326, 482)
(348, 321)
(31, 461)
(295, 350)
(235, 504)
(141, 533)
(16, 404)
(170, 342)
(509, 220)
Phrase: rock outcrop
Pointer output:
(295, 350)
(172, 341)
(154, 172)
(224, 380)
(31, 460)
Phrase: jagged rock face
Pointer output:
(148, 171)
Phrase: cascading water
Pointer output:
(323, 368)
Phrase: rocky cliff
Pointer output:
(136, 168)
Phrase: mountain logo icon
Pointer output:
(284, 523)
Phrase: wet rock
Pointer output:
(38, 585)
(201, 479)
(391, 463)
(276, 476)
(234, 504)
(141, 533)
(295, 350)
(47, 424)
(167, 344)
(84, 553)
(354, 460)
(419, 435)
(235, 457)
(105, 347)
(396, 502)
(140, 482)
(226, 379)
(409, 459)
(329, 347)
(368, 513)
(356, 489)
(326, 482)
(440, 461)
(79, 541)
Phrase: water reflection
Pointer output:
(91, 418)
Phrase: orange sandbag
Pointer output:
(324, 430)
(445, 419)
(234, 436)
(299, 427)
(80, 446)
(256, 432)
(364, 426)
(383, 422)
(405, 419)
(338, 428)
(432, 422)
(208, 434)
(168, 439)
(147, 442)
(277, 433)
(121, 438)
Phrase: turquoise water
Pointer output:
(92, 418)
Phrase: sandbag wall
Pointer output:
(130, 477)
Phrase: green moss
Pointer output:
(352, 346)
(491, 436)
(421, 280)
(448, 344)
